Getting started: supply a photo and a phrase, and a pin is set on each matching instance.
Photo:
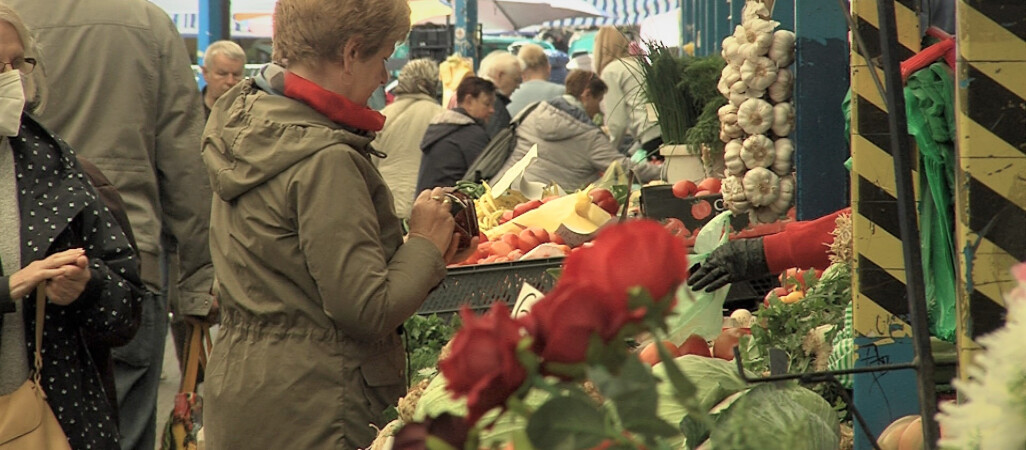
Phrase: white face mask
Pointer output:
(12, 101)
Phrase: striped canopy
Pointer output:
(620, 12)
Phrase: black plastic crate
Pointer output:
(479, 286)
(431, 41)
(658, 202)
(748, 294)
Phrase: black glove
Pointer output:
(743, 259)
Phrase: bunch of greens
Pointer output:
(425, 337)
(682, 89)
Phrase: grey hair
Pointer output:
(419, 76)
(229, 49)
(497, 62)
(34, 84)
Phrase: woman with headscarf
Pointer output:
(625, 105)
(407, 119)
(314, 276)
(55, 231)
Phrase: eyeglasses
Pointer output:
(24, 65)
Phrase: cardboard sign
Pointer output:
(529, 295)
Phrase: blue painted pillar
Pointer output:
(821, 80)
(784, 12)
(465, 34)
(688, 23)
(214, 24)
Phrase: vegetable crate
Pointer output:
(479, 286)
(748, 294)
(658, 202)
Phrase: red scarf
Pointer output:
(339, 109)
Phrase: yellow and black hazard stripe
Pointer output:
(881, 305)
(991, 123)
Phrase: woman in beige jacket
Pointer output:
(315, 278)
(625, 105)
(407, 119)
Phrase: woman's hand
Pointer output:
(22, 282)
(67, 287)
(431, 219)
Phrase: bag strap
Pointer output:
(195, 354)
(40, 318)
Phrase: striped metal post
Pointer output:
(883, 334)
(990, 203)
(465, 33)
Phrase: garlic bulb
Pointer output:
(732, 130)
(780, 90)
(783, 150)
(786, 194)
(733, 189)
(727, 113)
(724, 137)
(781, 51)
(728, 76)
(732, 158)
(738, 93)
(759, 73)
(762, 187)
(783, 119)
(758, 37)
(739, 207)
(763, 215)
(754, 10)
(731, 52)
(757, 151)
(754, 115)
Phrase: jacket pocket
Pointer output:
(386, 369)
(149, 339)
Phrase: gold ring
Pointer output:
(436, 198)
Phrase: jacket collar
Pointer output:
(336, 107)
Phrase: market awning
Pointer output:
(620, 12)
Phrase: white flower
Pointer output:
(993, 417)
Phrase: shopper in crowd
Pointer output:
(56, 231)
(572, 150)
(456, 137)
(124, 96)
(407, 120)
(625, 106)
(502, 68)
(314, 277)
(536, 86)
(223, 65)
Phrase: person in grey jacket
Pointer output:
(124, 96)
(572, 150)
(536, 86)
(503, 69)
(456, 137)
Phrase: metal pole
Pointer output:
(465, 33)
(908, 222)
(214, 24)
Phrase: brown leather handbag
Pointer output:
(26, 420)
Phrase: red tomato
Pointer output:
(549, 198)
(506, 216)
(605, 200)
(703, 193)
(684, 188)
(695, 345)
(540, 233)
(711, 185)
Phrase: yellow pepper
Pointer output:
(793, 297)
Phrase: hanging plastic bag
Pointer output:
(700, 312)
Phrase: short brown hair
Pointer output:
(532, 56)
(579, 80)
(473, 86)
(317, 30)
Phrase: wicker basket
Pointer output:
(479, 286)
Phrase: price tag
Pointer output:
(529, 295)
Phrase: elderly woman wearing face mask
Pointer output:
(314, 275)
(55, 231)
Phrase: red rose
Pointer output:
(636, 253)
(564, 321)
(483, 365)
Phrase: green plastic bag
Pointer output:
(929, 103)
(700, 312)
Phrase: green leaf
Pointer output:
(434, 443)
(634, 395)
(567, 423)
(694, 432)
